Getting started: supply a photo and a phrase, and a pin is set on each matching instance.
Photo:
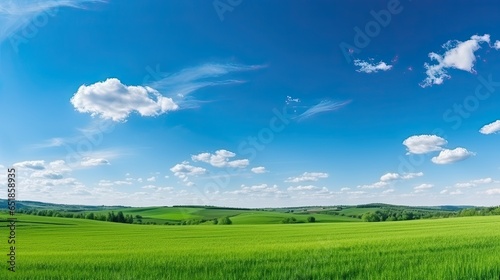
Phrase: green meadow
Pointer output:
(251, 248)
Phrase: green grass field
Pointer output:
(60, 248)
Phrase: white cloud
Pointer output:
(87, 161)
(151, 179)
(345, 189)
(457, 192)
(451, 156)
(422, 144)
(423, 187)
(33, 164)
(387, 178)
(459, 55)
(323, 106)
(307, 176)
(108, 183)
(395, 176)
(49, 174)
(303, 188)
(113, 100)
(497, 45)
(491, 128)
(367, 67)
(376, 185)
(475, 183)
(407, 176)
(492, 191)
(258, 190)
(184, 169)
(388, 191)
(259, 170)
(221, 159)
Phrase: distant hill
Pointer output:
(20, 204)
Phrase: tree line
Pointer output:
(405, 214)
(109, 217)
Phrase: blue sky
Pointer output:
(251, 103)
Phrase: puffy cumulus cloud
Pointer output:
(475, 183)
(307, 177)
(376, 185)
(32, 164)
(158, 189)
(459, 55)
(49, 174)
(221, 159)
(115, 101)
(451, 156)
(89, 162)
(261, 190)
(388, 177)
(303, 188)
(151, 179)
(423, 187)
(497, 45)
(369, 67)
(259, 170)
(452, 191)
(491, 128)
(492, 192)
(422, 144)
(184, 170)
(108, 183)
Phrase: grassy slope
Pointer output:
(455, 248)
(174, 214)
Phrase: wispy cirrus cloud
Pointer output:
(17, 14)
(322, 107)
(179, 85)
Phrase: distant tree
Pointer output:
(370, 217)
(215, 221)
(129, 219)
(311, 219)
(111, 217)
(138, 216)
(120, 218)
(90, 216)
(290, 220)
(225, 221)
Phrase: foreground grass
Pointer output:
(59, 248)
